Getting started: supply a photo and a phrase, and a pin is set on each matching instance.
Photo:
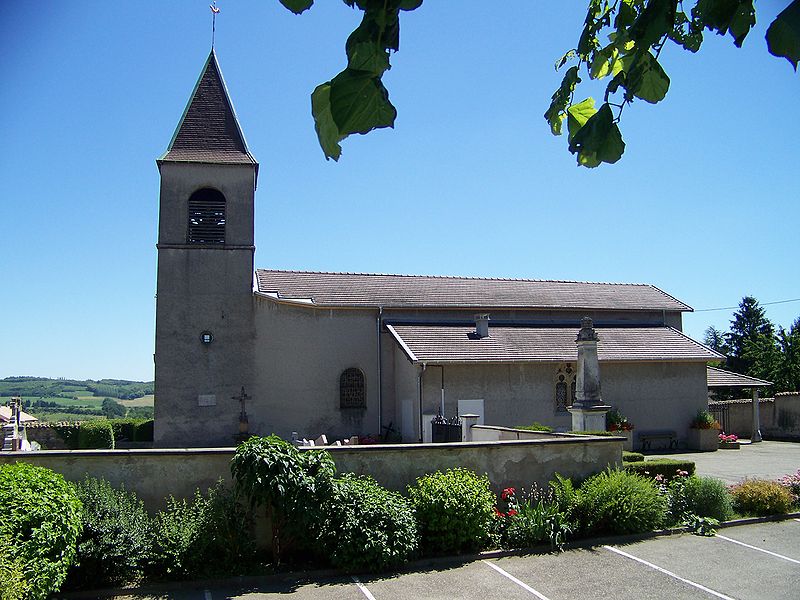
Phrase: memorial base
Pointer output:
(589, 419)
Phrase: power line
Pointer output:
(735, 307)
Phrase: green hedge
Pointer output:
(41, 516)
(97, 434)
(454, 511)
(666, 467)
(132, 430)
(632, 456)
(363, 525)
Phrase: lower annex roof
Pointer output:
(459, 344)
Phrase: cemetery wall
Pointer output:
(779, 416)
(156, 474)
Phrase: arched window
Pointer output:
(206, 217)
(564, 387)
(351, 389)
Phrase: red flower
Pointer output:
(498, 513)
(512, 512)
(510, 491)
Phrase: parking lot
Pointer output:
(747, 561)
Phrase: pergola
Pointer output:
(719, 378)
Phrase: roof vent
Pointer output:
(482, 325)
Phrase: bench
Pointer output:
(646, 438)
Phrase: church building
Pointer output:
(240, 349)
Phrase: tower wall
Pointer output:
(203, 289)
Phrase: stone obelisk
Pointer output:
(588, 411)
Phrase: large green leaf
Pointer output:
(653, 23)
(297, 6)
(327, 130)
(723, 16)
(360, 103)
(783, 35)
(367, 56)
(599, 140)
(646, 79)
(578, 114)
(557, 111)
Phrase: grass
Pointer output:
(64, 416)
(143, 401)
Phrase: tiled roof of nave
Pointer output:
(421, 291)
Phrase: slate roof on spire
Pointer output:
(209, 131)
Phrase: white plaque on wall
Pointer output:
(207, 400)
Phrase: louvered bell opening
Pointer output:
(206, 218)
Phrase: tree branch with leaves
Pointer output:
(621, 39)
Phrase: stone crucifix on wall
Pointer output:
(588, 411)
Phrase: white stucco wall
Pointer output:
(655, 395)
(300, 354)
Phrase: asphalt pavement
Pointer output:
(756, 561)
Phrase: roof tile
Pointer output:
(448, 343)
(416, 291)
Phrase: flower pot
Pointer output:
(703, 440)
(729, 445)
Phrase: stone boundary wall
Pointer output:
(780, 416)
(45, 433)
(157, 474)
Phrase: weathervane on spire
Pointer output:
(214, 11)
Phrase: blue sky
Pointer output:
(470, 182)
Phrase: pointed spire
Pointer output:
(209, 131)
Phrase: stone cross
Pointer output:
(244, 425)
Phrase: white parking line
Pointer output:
(363, 588)
(722, 537)
(521, 584)
(670, 573)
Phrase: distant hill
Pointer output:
(44, 387)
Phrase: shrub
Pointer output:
(365, 526)
(13, 585)
(131, 430)
(205, 536)
(271, 472)
(704, 420)
(792, 483)
(96, 434)
(536, 426)
(40, 519)
(453, 510)
(707, 497)
(144, 431)
(618, 502)
(116, 541)
(600, 432)
(534, 523)
(632, 456)
(760, 498)
(666, 467)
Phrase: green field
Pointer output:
(72, 397)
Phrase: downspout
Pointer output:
(419, 384)
(379, 325)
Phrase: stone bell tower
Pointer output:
(204, 307)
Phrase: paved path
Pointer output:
(744, 562)
(764, 460)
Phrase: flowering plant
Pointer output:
(616, 421)
(508, 497)
(792, 483)
(704, 420)
(728, 438)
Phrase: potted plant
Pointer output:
(704, 432)
(728, 441)
(619, 424)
